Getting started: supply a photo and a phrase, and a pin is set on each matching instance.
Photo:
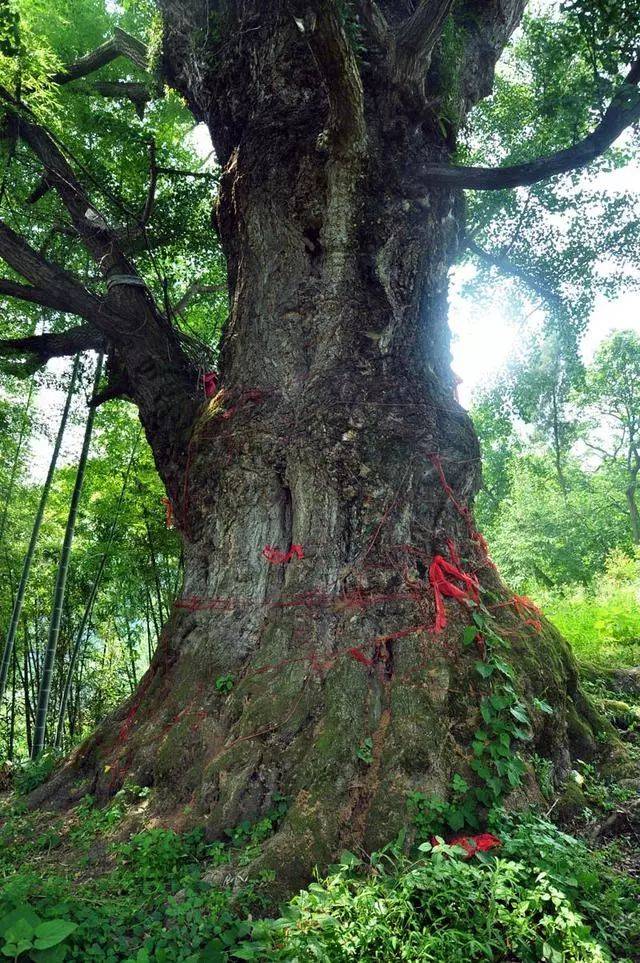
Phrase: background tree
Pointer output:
(612, 394)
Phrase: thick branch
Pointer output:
(40, 348)
(339, 70)
(623, 111)
(52, 286)
(121, 44)
(91, 227)
(420, 32)
(375, 22)
(139, 94)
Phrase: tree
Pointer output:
(323, 493)
(612, 393)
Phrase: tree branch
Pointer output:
(623, 111)
(194, 290)
(40, 348)
(420, 32)
(375, 22)
(139, 94)
(121, 44)
(506, 266)
(100, 240)
(52, 287)
(151, 190)
(338, 67)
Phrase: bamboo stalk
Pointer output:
(28, 559)
(44, 692)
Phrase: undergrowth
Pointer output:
(601, 621)
(156, 895)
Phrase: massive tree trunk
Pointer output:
(335, 464)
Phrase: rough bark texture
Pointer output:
(337, 411)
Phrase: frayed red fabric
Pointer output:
(277, 557)
(528, 611)
(210, 383)
(481, 843)
(168, 512)
(442, 576)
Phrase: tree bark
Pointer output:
(331, 469)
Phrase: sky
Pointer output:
(480, 350)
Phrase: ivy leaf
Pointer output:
(52, 932)
(485, 669)
(469, 634)
(520, 713)
(503, 667)
(543, 706)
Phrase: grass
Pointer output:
(602, 621)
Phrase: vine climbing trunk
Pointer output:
(337, 598)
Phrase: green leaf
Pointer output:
(520, 713)
(543, 706)
(20, 913)
(57, 954)
(503, 667)
(469, 634)
(455, 819)
(52, 932)
(485, 669)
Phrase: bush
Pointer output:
(31, 773)
(601, 622)
(544, 897)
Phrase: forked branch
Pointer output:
(121, 44)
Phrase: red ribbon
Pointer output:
(210, 383)
(481, 843)
(277, 557)
(443, 575)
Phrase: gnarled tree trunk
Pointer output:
(316, 489)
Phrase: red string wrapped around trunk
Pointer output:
(277, 557)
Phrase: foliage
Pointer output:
(31, 773)
(150, 896)
(562, 464)
(602, 622)
(543, 897)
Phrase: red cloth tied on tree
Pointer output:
(443, 576)
(481, 843)
(169, 512)
(528, 611)
(277, 557)
(210, 383)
